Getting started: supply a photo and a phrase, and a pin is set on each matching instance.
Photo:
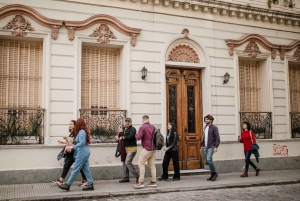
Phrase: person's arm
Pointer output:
(217, 137)
(240, 138)
(81, 140)
(140, 133)
(175, 139)
(253, 137)
(131, 134)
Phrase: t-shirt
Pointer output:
(206, 134)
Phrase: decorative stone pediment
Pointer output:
(253, 49)
(18, 26)
(183, 53)
(104, 34)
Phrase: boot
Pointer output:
(245, 174)
(214, 177)
(88, 187)
(257, 170)
(64, 186)
(209, 178)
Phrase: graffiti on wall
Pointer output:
(279, 150)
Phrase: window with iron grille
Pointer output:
(99, 78)
(294, 81)
(249, 85)
(20, 74)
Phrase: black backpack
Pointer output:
(158, 139)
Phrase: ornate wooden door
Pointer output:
(184, 108)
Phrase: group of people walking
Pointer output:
(76, 151)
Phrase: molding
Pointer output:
(256, 38)
(183, 53)
(103, 19)
(19, 9)
(18, 26)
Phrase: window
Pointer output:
(249, 85)
(99, 78)
(294, 80)
(20, 74)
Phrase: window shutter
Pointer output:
(249, 85)
(99, 78)
(20, 72)
(294, 82)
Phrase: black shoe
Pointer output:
(175, 179)
(88, 187)
(209, 178)
(124, 180)
(64, 186)
(214, 177)
(162, 179)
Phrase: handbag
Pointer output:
(254, 146)
(118, 150)
(61, 154)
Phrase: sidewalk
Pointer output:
(109, 188)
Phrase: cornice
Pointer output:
(256, 38)
(230, 9)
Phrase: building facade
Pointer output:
(65, 59)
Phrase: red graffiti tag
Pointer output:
(280, 150)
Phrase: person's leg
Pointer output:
(87, 171)
(247, 160)
(209, 157)
(151, 164)
(141, 163)
(82, 175)
(68, 163)
(166, 163)
(130, 166)
(79, 162)
(175, 160)
(125, 171)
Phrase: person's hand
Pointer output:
(117, 138)
(215, 150)
(60, 142)
(69, 148)
(165, 149)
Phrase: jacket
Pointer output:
(173, 139)
(129, 137)
(213, 140)
(145, 134)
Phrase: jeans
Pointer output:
(148, 156)
(128, 165)
(248, 161)
(209, 152)
(166, 161)
(68, 163)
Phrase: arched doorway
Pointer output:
(184, 63)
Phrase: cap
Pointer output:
(128, 119)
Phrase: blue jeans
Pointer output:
(248, 161)
(209, 152)
(81, 163)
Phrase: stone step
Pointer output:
(191, 172)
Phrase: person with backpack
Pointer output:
(146, 134)
(171, 150)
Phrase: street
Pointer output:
(290, 192)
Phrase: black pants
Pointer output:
(248, 161)
(68, 163)
(168, 156)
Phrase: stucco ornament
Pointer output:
(71, 33)
(54, 33)
(103, 33)
(133, 38)
(185, 33)
(183, 53)
(19, 26)
(297, 53)
(253, 49)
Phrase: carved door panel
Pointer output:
(184, 108)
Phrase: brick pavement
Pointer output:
(110, 188)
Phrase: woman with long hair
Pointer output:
(248, 138)
(171, 150)
(81, 156)
(69, 156)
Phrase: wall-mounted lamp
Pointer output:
(144, 73)
(226, 78)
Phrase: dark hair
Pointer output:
(74, 122)
(81, 125)
(209, 117)
(248, 125)
(173, 129)
(145, 117)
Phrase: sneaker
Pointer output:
(83, 183)
(139, 185)
(152, 184)
(88, 187)
(162, 179)
(58, 182)
(64, 186)
(124, 180)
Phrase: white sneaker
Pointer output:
(139, 185)
(152, 184)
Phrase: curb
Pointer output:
(154, 191)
